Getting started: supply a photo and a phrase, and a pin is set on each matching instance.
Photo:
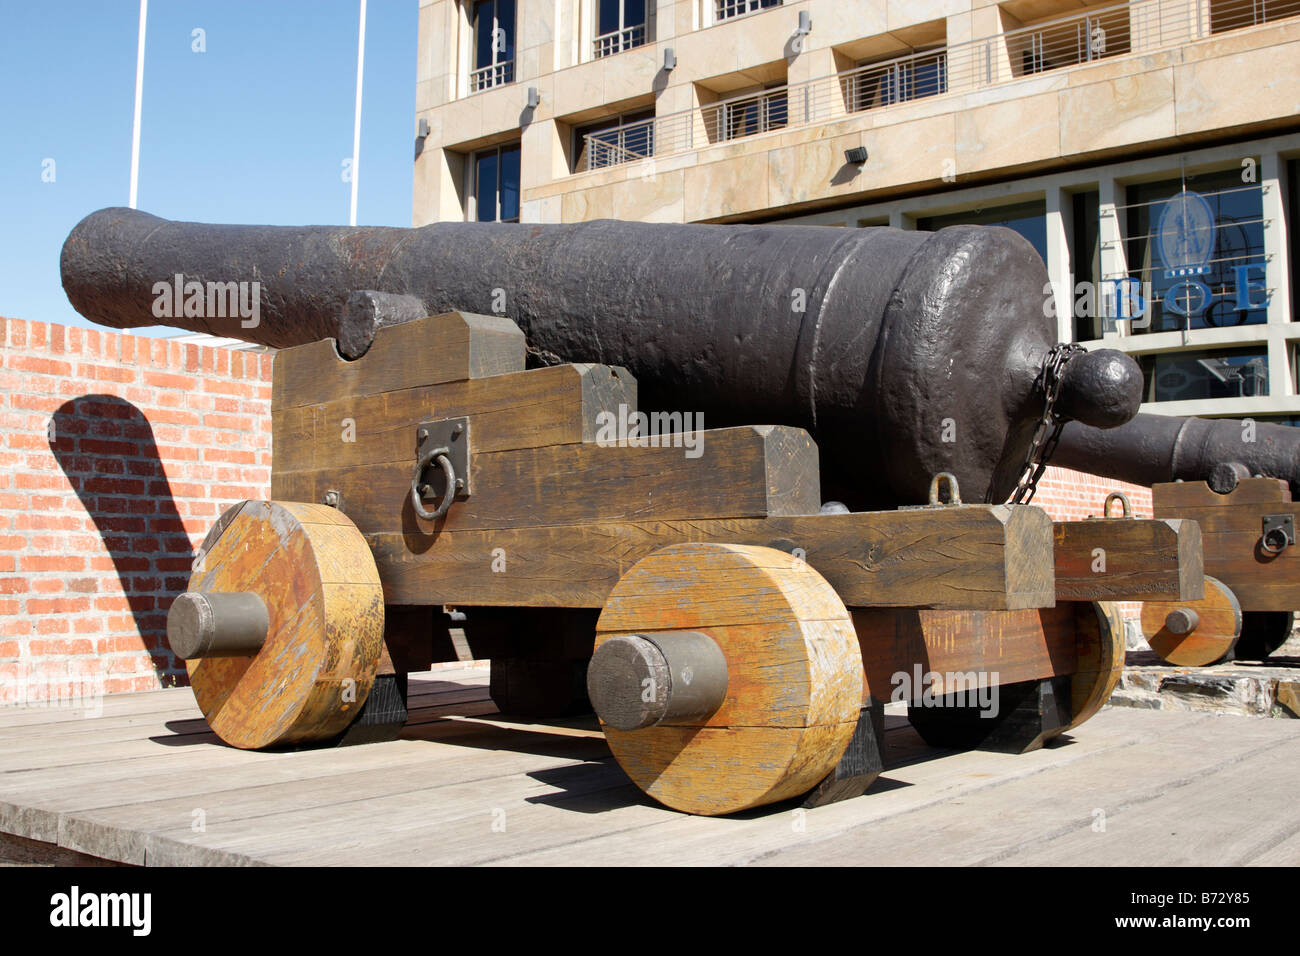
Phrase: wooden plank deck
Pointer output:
(144, 782)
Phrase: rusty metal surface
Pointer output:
(904, 353)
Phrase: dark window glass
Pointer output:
(483, 26)
(1237, 210)
(633, 12)
(506, 21)
(490, 16)
(1029, 219)
(1085, 257)
(485, 191)
(621, 139)
(608, 17)
(510, 184)
(1186, 376)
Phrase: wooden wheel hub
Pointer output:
(1194, 633)
(310, 674)
(793, 675)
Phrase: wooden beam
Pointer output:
(1128, 559)
(560, 405)
(985, 557)
(739, 472)
(441, 348)
(1231, 528)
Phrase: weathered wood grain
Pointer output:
(560, 405)
(1218, 625)
(1231, 527)
(741, 472)
(1120, 559)
(794, 684)
(988, 558)
(441, 348)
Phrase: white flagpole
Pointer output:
(139, 98)
(356, 130)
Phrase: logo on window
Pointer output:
(1185, 241)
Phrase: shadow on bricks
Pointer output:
(105, 446)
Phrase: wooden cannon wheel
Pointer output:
(325, 624)
(1194, 633)
(1099, 658)
(791, 688)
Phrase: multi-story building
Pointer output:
(1149, 150)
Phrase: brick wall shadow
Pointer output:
(105, 446)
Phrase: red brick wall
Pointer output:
(117, 454)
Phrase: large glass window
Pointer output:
(1224, 373)
(747, 115)
(1029, 219)
(496, 184)
(1215, 274)
(621, 139)
(620, 25)
(896, 81)
(494, 44)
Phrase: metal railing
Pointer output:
(607, 44)
(730, 9)
(625, 144)
(497, 74)
(1140, 26)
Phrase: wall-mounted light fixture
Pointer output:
(534, 97)
(805, 23)
(421, 134)
(670, 59)
(856, 156)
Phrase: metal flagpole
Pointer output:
(356, 130)
(139, 98)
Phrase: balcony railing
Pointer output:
(497, 74)
(626, 144)
(1137, 27)
(730, 9)
(608, 44)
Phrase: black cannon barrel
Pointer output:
(904, 353)
(1158, 448)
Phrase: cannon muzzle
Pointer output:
(904, 353)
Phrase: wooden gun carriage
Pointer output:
(434, 500)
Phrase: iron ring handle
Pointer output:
(1269, 547)
(441, 456)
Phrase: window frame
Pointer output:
(500, 71)
(472, 200)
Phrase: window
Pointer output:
(1029, 219)
(1068, 42)
(1085, 259)
(727, 9)
(494, 44)
(747, 115)
(880, 84)
(496, 184)
(1292, 214)
(1232, 14)
(620, 25)
(1189, 376)
(1233, 268)
(621, 139)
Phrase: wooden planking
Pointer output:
(1169, 499)
(990, 558)
(1120, 559)
(546, 406)
(1231, 527)
(441, 348)
(1008, 646)
(740, 472)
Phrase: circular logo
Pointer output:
(1185, 235)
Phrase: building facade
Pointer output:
(1149, 150)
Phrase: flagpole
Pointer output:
(139, 98)
(356, 130)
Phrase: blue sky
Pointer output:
(254, 129)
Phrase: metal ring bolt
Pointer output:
(442, 457)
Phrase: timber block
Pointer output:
(1231, 530)
(442, 348)
(1128, 559)
(382, 716)
(861, 764)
